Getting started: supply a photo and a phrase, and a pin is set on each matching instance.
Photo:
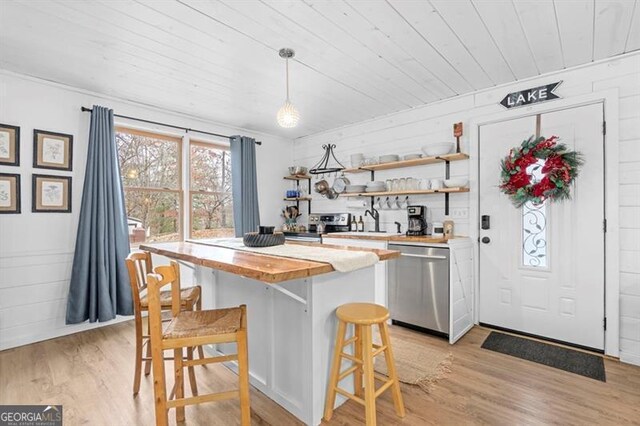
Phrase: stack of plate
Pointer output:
(389, 158)
(411, 157)
(376, 186)
(354, 189)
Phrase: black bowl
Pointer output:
(253, 239)
(266, 229)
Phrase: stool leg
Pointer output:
(199, 308)
(159, 387)
(335, 371)
(369, 379)
(192, 373)
(243, 377)
(178, 367)
(391, 368)
(357, 378)
(138, 367)
(147, 364)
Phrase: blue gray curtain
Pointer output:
(246, 216)
(99, 288)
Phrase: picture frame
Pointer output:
(9, 145)
(9, 193)
(52, 150)
(50, 194)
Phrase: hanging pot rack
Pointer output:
(322, 167)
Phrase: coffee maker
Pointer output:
(417, 216)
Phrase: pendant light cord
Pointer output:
(287, 73)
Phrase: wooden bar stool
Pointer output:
(363, 316)
(139, 265)
(189, 329)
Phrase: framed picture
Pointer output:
(9, 193)
(9, 145)
(51, 194)
(52, 150)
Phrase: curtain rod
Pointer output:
(84, 109)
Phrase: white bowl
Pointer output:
(375, 183)
(411, 157)
(355, 188)
(389, 158)
(376, 189)
(456, 182)
(438, 148)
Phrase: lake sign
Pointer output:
(530, 96)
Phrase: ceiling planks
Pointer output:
(575, 22)
(469, 28)
(538, 20)
(612, 24)
(633, 39)
(218, 60)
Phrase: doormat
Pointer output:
(577, 362)
(418, 364)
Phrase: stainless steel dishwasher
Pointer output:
(419, 287)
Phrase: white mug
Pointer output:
(436, 183)
(438, 230)
(424, 184)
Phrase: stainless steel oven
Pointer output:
(419, 287)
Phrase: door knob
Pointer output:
(486, 240)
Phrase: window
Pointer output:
(211, 203)
(534, 226)
(151, 169)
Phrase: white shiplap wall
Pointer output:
(36, 249)
(407, 131)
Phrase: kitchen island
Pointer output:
(290, 308)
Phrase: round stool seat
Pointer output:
(362, 313)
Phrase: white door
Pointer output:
(542, 267)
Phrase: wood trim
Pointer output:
(211, 145)
(148, 134)
(411, 192)
(409, 163)
(198, 192)
(150, 189)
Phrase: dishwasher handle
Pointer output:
(424, 256)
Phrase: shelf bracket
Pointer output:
(447, 171)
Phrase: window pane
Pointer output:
(534, 235)
(210, 169)
(154, 216)
(212, 215)
(148, 162)
(534, 226)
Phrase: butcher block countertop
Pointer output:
(381, 236)
(265, 268)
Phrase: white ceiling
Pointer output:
(355, 59)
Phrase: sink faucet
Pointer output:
(399, 225)
(375, 215)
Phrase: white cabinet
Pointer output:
(380, 267)
(461, 289)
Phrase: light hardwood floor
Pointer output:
(91, 373)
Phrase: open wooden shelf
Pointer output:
(409, 163)
(416, 192)
(297, 177)
(298, 199)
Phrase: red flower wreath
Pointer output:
(540, 169)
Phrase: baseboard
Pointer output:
(58, 332)
(630, 358)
